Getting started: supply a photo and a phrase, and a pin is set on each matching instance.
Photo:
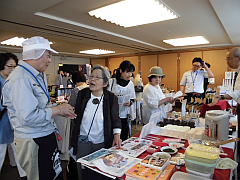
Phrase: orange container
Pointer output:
(167, 173)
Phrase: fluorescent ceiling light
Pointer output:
(130, 13)
(97, 51)
(195, 40)
(15, 41)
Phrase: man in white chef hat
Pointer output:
(26, 96)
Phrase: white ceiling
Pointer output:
(216, 20)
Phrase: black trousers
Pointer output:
(49, 163)
(125, 129)
(193, 95)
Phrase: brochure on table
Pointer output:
(133, 147)
(112, 162)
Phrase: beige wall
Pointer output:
(168, 63)
(147, 62)
(114, 63)
(101, 62)
(216, 58)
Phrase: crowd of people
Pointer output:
(100, 110)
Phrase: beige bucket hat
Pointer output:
(156, 71)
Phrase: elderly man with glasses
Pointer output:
(233, 61)
(26, 96)
(192, 81)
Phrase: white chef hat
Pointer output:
(34, 47)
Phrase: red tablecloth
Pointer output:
(221, 105)
(219, 174)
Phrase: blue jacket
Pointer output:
(6, 131)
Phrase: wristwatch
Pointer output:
(222, 97)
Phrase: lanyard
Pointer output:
(48, 96)
(194, 77)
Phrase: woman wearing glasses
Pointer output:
(8, 62)
(97, 124)
(123, 87)
(192, 81)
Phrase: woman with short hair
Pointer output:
(97, 124)
(79, 80)
(8, 62)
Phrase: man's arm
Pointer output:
(219, 98)
(182, 88)
(209, 72)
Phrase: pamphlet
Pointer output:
(133, 147)
(112, 162)
(142, 172)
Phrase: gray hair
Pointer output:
(105, 74)
(235, 51)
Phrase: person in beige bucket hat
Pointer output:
(153, 98)
(156, 71)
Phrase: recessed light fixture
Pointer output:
(187, 41)
(97, 51)
(15, 41)
(130, 13)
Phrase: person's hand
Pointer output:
(127, 103)
(203, 64)
(181, 98)
(234, 111)
(216, 99)
(169, 99)
(117, 141)
(66, 110)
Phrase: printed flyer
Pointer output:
(112, 162)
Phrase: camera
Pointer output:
(83, 139)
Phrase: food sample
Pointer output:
(155, 161)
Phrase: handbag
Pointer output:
(138, 88)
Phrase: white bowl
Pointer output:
(176, 145)
(168, 147)
(162, 155)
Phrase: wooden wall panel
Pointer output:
(134, 60)
(114, 63)
(186, 61)
(168, 63)
(146, 63)
(216, 58)
(101, 62)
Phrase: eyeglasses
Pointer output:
(10, 66)
(95, 77)
(228, 58)
(197, 66)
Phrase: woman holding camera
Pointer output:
(97, 124)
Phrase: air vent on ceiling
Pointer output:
(72, 30)
(44, 32)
